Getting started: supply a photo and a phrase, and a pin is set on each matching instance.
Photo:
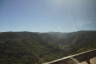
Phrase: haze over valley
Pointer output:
(35, 47)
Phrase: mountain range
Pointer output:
(36, 48)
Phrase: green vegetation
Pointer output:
(36, 48)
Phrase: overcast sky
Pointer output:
(47, 15)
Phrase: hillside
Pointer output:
(35, 48)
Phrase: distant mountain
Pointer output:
(35, 48)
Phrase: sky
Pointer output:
(47, 15)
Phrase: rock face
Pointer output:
(93, 60)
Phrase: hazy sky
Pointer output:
(47, 15)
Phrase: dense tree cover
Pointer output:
(36, 48)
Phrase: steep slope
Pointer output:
(35, 48)
(78, 41)
(26, 48)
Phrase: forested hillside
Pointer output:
(36, 48)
